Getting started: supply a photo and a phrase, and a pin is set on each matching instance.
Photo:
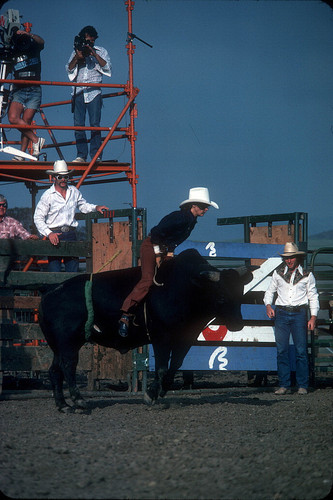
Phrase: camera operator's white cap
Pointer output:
(199, 195)
(60, 168)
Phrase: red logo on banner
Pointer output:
(215, 332)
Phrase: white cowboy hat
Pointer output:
(199, 195)
(291, 249)
(60, 167)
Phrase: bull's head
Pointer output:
(226, 296)
(244, 273)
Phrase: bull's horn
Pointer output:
(211, 275)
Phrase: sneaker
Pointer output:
(282, 391)
(18, 158)
(36, 148)
(79, 159)
(302, 390)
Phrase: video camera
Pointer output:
(81, 44)
(9, 24)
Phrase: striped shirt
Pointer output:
(12, 228)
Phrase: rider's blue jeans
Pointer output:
(294, 323)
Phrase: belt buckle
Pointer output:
(65, 229)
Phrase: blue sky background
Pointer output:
(234, 95)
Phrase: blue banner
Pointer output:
(229, 358)
(232, 250)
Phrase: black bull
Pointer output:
(191, 293)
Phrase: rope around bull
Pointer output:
(88, 297)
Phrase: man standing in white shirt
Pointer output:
(296, 291)
(87, 64)
(55, 214)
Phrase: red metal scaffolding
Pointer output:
(33, 173)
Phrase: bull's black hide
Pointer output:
(190, 293)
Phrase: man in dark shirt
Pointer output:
(170, 232)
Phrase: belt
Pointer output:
(62, 229)
(293, 308)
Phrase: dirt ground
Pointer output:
(226, 440)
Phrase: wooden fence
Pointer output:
(22, 345)
(23, 348)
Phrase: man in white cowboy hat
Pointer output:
(170, 232)
(55, 214)
(296, 291)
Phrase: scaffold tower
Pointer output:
(33, 173)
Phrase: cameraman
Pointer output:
(87, 64)
(25, 99)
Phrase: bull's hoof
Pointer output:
(81, 404)
(148, 400)
(82, 411)
(66, 409)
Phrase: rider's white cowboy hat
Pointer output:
(60, 167)
(291, 249)
(199, 195)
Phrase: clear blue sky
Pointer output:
(234, 95)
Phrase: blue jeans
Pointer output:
(94, 112)
(29, 97)
(294, 323)
(71, 263)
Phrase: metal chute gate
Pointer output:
(253, 348)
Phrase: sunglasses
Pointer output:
(59, 177)
(4, 205)
(202, 206)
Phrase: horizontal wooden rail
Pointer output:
(19, 302)
(33, 280)
(44, 247)
(254, 219)
(20, 331)
(38, 358)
